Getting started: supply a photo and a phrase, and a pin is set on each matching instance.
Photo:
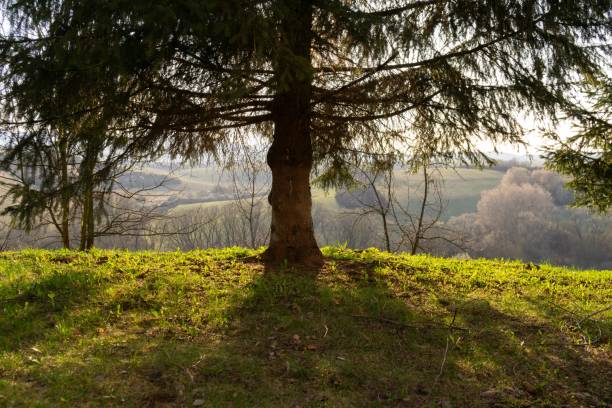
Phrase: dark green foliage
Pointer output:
(190, 77)
(587, 156)
(186, 72)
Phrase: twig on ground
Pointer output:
(595, 313)
(450, 328)
(414, 326)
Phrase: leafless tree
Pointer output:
(333, 228)
(110, 208)
(524, 218)
(251, 179)
(377, 179)
(5, 234)
(417, 229)
(410, 224)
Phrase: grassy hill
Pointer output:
(218, 328)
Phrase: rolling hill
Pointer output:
(218, 328)
(461, 190)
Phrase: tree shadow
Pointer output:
(36, 310)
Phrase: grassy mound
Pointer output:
(217, 328)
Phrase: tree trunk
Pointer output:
(65, 201)
(386, 232)
(290, 156)
(419, 233)
(87, 221)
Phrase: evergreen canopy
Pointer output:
(587, 156)
(326, 81)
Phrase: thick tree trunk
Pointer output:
(290, 156)
(292, 233)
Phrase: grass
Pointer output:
(217, 328)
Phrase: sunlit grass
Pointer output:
(218, 328)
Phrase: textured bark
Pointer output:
(292, 233)
(290, 156)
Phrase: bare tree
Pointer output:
(417, 229)
(373, 196)
(411, 224)
(524, 218)
(251, 179)
(42, 194)
(5, 234)
(333, 228)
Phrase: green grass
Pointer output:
(217, 328)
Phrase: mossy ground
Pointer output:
(217, 328)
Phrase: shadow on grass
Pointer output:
(35, 310)
(338, 336)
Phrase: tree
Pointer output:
(52, 180)
(409, 224)
(376, 181)
(419, 229)
(325, 81)
(587, 155)
(522, 218)
(251, 182)
(39, 183)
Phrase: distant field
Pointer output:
(462, 189)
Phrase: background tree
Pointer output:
(409, 223)
(522, 219)
(54, 179)
(39, 187)
(325, 81)
(251, 185)
(373, 196)
(418, 228)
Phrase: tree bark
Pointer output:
(65, 201)
(290, 156)
(87, 220)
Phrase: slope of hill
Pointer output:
(218, 328)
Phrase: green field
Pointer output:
(218, 328)
(462, 189)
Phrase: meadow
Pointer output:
(220, 328)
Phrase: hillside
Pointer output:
(461, 189)
(217, 328)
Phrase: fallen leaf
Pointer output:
(312, 347)
(198, 402)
